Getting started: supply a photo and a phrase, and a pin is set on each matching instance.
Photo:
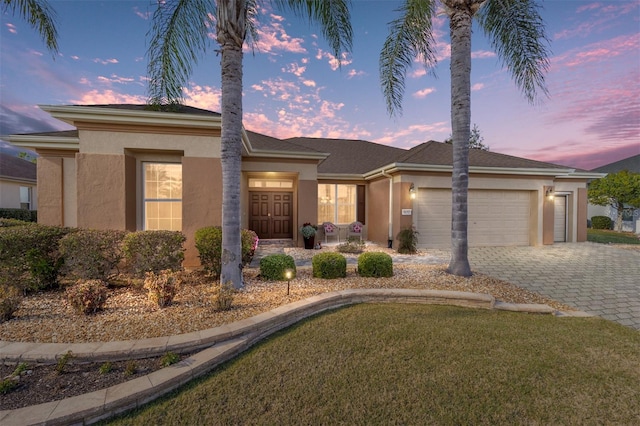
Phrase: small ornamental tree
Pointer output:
(616, 190)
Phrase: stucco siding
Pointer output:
(378, 212)
(50, 187)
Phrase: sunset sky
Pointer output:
(293, 86)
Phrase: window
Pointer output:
(162, 188)
(337, 203)
(270, 183)
(25, 197)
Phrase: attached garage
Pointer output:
(496, 218)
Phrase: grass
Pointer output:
(605, 236)
(420, 364)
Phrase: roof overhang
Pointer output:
(340, 176)
(104, 115)
(551, 172)
(278, 154)
(63, 143)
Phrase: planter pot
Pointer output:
(309, 242)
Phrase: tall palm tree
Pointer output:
(179, 36)
(39, 15)
(517, 33)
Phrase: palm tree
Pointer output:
(517, 33)
(179, 35)
(39, 15)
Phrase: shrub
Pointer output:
(329, 265)
(374, 264)
(87, 297)
(223, 296)
(154, 251)
(105, 368)
(162, 287)
(19, 214)
(63, 361)
(407, 241)
(10, 298)
(352, 245)
(6, 223)
(601, 222)
(91, 254)
(209, 245)
(29, 254)
(274, 266)
(168, 359)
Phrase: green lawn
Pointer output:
(605, 236)
(420, 364)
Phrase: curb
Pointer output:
(218, 345)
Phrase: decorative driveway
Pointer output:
(599, 279)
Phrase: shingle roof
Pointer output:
(268, 143)
(350, 156)
(438, 153)
(53, 133)
(631, 164)
(17, 168)
(183, 109)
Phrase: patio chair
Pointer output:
(330, 230)
(355, 230)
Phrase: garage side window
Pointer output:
(162, 196)
(25, 197)
(337, 203)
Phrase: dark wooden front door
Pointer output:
(271, 214)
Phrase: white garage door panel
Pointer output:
(496, 218)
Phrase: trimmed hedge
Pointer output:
(91, 253)
(274, 266)
(601, 222)
(154, 251)
(329, 265)
(19, 214)
(373, 264)
(29, 255)
(209, 245)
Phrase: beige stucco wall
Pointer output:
(378, 212)
(201, 200)
(307, 206)
(581, 215)
(50, 188)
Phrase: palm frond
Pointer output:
(178, 36)
(410, 37)
(334, 17)
(252, 23)
(517, 33)
(40, 16)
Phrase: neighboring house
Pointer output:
(130, 168)
(630, 216)
(18, 188)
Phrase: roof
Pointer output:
(349, 156)
(262, 142)
(439, 153)
(177, 108)
(631, 164)
(12, 167)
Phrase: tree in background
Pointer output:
(475, 139)
(39, 15)
(517, 33)
(617, 190)
(180, 34)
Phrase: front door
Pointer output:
(271, 214)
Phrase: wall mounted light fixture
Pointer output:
(412, 192)
(549, 192)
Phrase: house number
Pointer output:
(407, 212)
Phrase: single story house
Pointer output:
(127, 167)
(18, 189)
(630, 216)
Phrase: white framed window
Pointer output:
(337, 203)
(162, 196)
(270, 183)
(25, 197)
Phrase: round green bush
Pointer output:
(374, 264)
(601, 222)
(329, 265)
(274, 266)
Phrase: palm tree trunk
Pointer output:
(460, 28)
(231, 157)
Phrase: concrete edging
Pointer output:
(218, 345)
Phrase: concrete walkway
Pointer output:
(599, 279)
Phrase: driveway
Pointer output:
(599, 279)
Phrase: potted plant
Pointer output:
(308, 232)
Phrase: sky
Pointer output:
(293, 85)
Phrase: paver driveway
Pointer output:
(599, 279)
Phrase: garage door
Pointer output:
(496, 218)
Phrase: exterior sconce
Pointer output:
(412, 192)
(549, 192)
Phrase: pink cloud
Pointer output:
(482, 54)
(589, 160)
(334, 62)
(12, 28)
(94, 97)
(421, 94)
(596, 52)
(115, 79)
(205, 97)
(477, 86)
(353, 73)
(143, 15)
(105, 61)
